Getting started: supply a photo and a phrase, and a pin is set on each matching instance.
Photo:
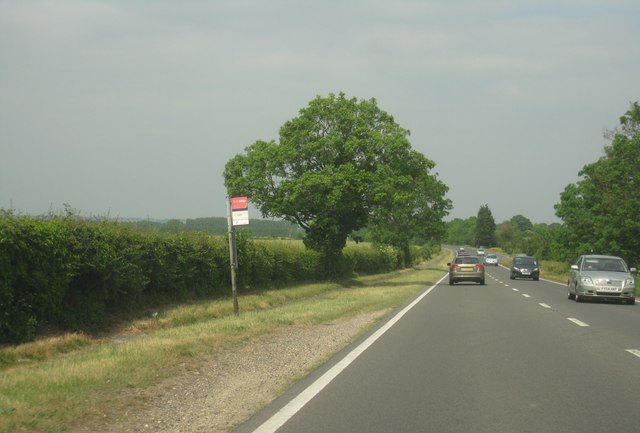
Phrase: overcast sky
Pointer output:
(131, 108)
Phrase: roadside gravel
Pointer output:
(224, 390)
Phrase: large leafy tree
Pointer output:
(600, 211)
(485, 227)
(461, 232)
(408, 203)
(507, 236)
(334, 165)
(523, 223)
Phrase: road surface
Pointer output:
(509, 356)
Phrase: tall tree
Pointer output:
(408, 203)
(507, 236)
(485, 227)
(600, 211)
(461, 232)
(522, 222)
(333, 165)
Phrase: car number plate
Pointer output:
(526, 273)
(608, 289)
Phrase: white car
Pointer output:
(491, 259)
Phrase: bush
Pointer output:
(78, 275)
(35, 275)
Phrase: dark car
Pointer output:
(466, 268)
(525, 267)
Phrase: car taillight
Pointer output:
(479, 266)
(455, 266)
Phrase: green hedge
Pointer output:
(72, 274)
(78, 275)
(34, 275)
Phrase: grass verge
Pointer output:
(49, 384)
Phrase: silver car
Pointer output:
(491, 259)
(601, 277)
(466, 268)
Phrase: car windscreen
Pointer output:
(604, 265)
(467, 260)
(525, 261)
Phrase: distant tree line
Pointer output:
(516, 235)
(218, 226)
(599, 212)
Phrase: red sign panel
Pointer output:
(239, 203)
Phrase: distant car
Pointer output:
(481, 251)
(525, 267)
(491, 259)
(461, 249)
(601, 277)
(466, 268)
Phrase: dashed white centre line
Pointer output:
(542, 304)
(577, 322)
(635, 352)
(514, 289)
(526, 296)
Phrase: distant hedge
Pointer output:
(73, 274)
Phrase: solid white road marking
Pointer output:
(635, 352)
(577, 322)
(542, 304)
(288, 411)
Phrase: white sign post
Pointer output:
(237, 215)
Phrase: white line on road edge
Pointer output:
(577, 322)
(283, 415)
(635, 352)
(542, 304)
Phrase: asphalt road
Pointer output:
(510, 356)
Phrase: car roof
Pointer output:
(599, 256)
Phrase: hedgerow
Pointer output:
(72, 274)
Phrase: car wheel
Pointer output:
(570, 295)
(578, 298)
(536, 278)
(482, 282)
(451, 282)
(631, 301)
(513, 277)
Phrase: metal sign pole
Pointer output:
(233, 255)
